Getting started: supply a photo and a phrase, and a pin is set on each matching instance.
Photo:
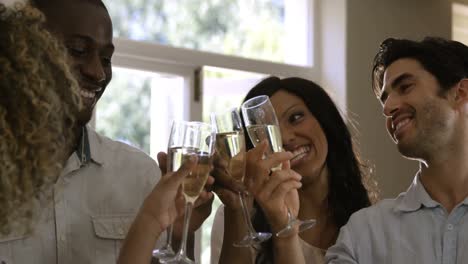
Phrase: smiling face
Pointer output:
(86, 30)
(418, 118)
(301, 134)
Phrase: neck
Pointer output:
(77, 137)
(445, 177)
(314, 196)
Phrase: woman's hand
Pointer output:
(160, 209)
(275, 190)
(166, 202)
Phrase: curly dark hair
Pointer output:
(349, 188)
(39, 98)
(447, 60)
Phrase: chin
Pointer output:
(84, 117)
(410, 151)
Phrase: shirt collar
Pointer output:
(89, 147)
(415, 198)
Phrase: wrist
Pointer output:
(281, 223)
(148, 223)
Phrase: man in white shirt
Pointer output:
(423, 88)
(104, 182)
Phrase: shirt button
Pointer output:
(121, 231)
(450, 227)
(63, 238)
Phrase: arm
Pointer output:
(140, 240)
(288, 250)
(159, 210)
(228, 190)
(236, 230)
(276, 194)
(201, 211)
(342, 252)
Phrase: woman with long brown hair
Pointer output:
(325, 176)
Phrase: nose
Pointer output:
(287, 135)
(93, 70)
(391, 105)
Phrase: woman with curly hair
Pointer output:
(38, 101)
(323, 174)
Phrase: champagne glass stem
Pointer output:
(169, 236)
(246, 214)
(188, 213)
(166, 251)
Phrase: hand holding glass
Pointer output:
(188, 139)
(230, 147)
(262, 124)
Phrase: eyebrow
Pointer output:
(287, 110)
(90, 40)
(395, 83)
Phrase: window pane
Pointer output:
(138, 107)
(260, 29)
(223, 89)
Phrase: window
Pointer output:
(138, 108)
(272, 30)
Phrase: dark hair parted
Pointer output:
(347, 191)
(446, 60)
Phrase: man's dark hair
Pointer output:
(446, 60)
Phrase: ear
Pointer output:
(461, 94)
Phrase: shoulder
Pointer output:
(119, 153)
(374, 214)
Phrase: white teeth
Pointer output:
(87, 94)
(402, 123)
(300, 152)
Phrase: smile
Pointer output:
(89, 93)
(400, 126)
(300, 153)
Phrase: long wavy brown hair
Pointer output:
(351, 186)
(38, 101)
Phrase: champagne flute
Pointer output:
(230, 147)
(261, 123)
(175, 140)
(191, 138)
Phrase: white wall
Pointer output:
(350, 32)
(368, 22)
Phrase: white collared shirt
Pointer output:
(92, 208)
(412, 228)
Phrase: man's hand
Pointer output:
(226, 187)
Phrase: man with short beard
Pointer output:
(423, 88)
(104, 182)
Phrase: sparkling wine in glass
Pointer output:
(230, 148)
(194, 138)
(262, 124)
(174, 161)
